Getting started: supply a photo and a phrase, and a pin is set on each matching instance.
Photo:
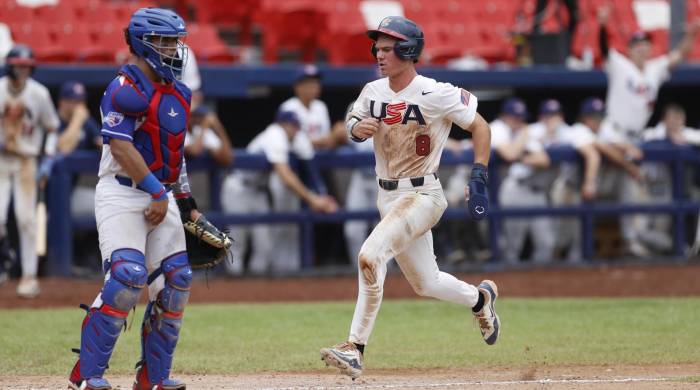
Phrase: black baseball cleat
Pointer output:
(489, 323)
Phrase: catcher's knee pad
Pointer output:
(163, 318)
(102, 325)
(127, 277)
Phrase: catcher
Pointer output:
(141, 200)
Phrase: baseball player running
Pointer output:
(26, 113)
(409, 117)
(139, 198)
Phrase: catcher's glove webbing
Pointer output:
(207, 246)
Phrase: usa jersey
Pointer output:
(153, 116)
(39, 115)
(414, 123)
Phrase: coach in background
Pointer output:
(26, 115)
(274, 249)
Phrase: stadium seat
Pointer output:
(205, 42)
(39, 38)
(12, 13)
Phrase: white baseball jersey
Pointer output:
(501, 133)
(415, 123)
(39, 116)
(314, 120)
(690, 135)
(632, 92)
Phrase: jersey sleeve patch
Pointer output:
(466, 96)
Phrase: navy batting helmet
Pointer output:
(409, 35)
(18, 55)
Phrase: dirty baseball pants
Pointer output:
(18, 181)
(408, 213)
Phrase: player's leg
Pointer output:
(24, 194)
(263, 246)
(122, 232)
(514, 229)
(287, 256)
(5, 250)
(235, 200)
(169, 280)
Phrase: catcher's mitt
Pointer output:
(207, 246)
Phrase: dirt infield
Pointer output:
(590, 377)
(606, 281)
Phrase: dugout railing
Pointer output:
(62, 223)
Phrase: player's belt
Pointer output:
(391, 185)
(125, 181)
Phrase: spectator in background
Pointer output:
(206, 134)
(541, 12)
(192, 79)
(276, 248)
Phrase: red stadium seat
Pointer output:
(205, 42)
(12, 13)
(110, 37)
(39, 37)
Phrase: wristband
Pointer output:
(154, 187)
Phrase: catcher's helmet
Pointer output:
(144, 35)
(18, 55)
(410, 37)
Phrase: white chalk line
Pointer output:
(409, 385)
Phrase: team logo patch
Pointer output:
(465, 97)
(114, 118)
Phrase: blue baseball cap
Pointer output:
(550, 107)
(592, 106)
(309, 71)
(287, 117)
(515, 107)
(73, 90)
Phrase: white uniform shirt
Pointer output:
(632, 92)
(690, 135)
(501, 133)
(415, 123)
(275, 145)
(40, 115)
(315, 121)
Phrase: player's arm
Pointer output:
(223, 154)
(481, 140)
(512, 151)
(591, 167)
(616, 155)
(603, 16)
(677, 55)
(70, 137)
(121, 107)
(359, 124)
(317, 202)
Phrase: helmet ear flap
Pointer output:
(374, 50)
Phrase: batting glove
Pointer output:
(478, 192)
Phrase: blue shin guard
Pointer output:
(102, 325)
(162, 321)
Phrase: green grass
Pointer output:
(229, 339)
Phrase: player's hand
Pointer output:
(633, 153)
(604, 14)
(589, 190)
(156, 210)
(323, 203)
(80, 114)
(366, 128)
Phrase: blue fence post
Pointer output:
(60, 228)
(587, 226)
(678, 167)
(215, 179)
(494, 220)
(307, 242)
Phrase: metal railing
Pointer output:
(62, 223)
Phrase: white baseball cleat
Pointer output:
(346, 357)
(489, 324)
(28, 288)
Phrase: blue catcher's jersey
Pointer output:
(153, 116)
